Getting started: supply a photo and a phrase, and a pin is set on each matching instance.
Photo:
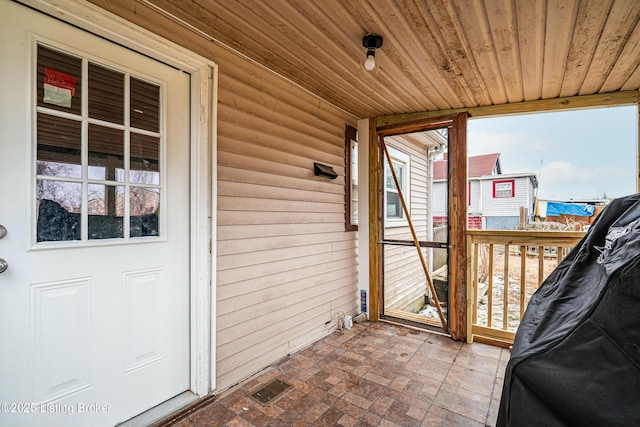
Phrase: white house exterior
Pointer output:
(496, 200)
(493, 199)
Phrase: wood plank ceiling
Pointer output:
(437, 54)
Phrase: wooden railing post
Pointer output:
(490, 288)
(505, 289)
(472, 288)
(523, 278)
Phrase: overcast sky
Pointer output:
(575, 154)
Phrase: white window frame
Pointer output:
(496, 190)
(351, 178)
(398, 158)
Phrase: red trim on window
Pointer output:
(513, 188)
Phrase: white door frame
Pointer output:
(204, 83)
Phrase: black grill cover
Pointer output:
(576, 356)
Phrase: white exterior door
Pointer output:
(94, 196)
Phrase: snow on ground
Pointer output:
(513, 319)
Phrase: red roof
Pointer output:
(482, 165)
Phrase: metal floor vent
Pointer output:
(270, 392)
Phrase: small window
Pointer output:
(351, 179)
(394, 206)
(393, 210)
(503, 189)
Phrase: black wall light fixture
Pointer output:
(324, 171)
(371, 42)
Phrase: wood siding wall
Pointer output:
(285, 264)
(404, 280)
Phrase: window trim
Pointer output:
(350, 135)
(505, 181)
(403, 159)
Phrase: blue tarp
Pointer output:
(577, 209)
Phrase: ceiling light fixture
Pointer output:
(371, 42)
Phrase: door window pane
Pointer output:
(58, 206)
(145, 155)
(145, 105)
(59, 80)
(59, 147)
(106, 152)
(145, 205)
(106, 211)
(106, 94)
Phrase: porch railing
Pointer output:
(504, 269)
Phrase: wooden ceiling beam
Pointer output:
(545, 105)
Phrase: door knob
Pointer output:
(3, 231)
(3, 265)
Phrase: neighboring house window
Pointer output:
(503, 189)
(351, 178)
(469, 193)
(393, 206)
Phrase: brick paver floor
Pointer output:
(375, 374)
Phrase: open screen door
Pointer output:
(415, 223)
